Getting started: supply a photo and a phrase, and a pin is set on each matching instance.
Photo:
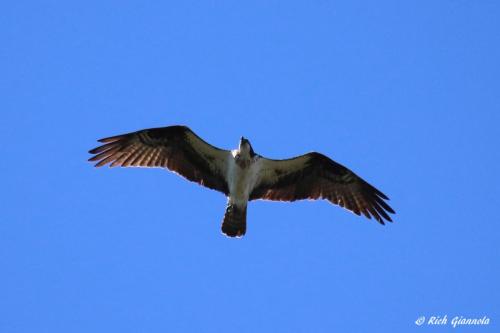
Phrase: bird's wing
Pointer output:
(315, 176)
(175, 147)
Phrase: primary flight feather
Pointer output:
(241, 174)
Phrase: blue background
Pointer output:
(406, 94)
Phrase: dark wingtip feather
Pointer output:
(100, 163)
(103, 148)
(384, 205)
(385, 215)
(380, 194)
(380, 206)
(381, 211)
(111, 138)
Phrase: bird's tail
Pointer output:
(235, 221)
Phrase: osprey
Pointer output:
(241, 174)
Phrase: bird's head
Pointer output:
(245, 147)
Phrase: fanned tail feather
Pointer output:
(235, 221)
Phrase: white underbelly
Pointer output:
(241, 182)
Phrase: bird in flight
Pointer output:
(241, 174)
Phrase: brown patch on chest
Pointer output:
(242, 163)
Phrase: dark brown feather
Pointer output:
(175, 147)
(315, 176)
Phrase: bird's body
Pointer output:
(243, 171)
(241, 174)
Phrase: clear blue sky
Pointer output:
(404, 93)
